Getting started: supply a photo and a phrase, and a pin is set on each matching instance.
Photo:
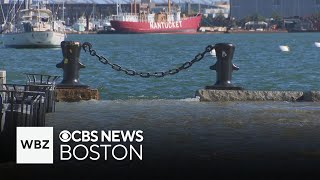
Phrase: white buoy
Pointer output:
(317, 44)
(284, 48)
(213, 53)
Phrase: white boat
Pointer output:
(35, 28)
(80, 25)
(284, 48)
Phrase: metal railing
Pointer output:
(18, 109)
(41, 79)
(48, 90)
(44, 83)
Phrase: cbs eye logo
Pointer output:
(65, 136)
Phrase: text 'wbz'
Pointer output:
(94, 152)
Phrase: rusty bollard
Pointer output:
(71, 65)
(224, 67)
(70, 89)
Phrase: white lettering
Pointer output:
(105, 150)
(106, 136)
(65, 152)
(115, 136)
(73, 135)
(86, 152)
(125, 152)
(95, 152)
(165, 25)
(85, 136)
(94, 136)
(139, 136)
(127, 135)
(139, 155)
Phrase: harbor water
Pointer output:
(175, 124)
(262, 65)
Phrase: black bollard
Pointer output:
(71, 65)
(224, 67)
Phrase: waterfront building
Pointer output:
(219, 8)
(267, 8)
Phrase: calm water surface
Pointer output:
(262, 65)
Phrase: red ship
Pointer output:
(164, 21)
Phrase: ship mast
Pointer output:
(169, 9)
(27, 4)
(62, 10)
(135, 7)
(117, 7)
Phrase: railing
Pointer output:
(48, 90)
(40, 79)
(44, 83)
(18, 109)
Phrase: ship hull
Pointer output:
(38, 39)
(187, 25)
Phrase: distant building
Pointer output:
(4, 1)
(220, 8)
(266, 8)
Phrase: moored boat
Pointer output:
(35, 28)
(166, 20)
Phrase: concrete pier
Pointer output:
(76, 94)
(207, 95)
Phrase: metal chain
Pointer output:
(87, 47)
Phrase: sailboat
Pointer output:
(35, 28)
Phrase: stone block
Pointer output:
(76, 94)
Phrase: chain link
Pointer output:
(87, 47)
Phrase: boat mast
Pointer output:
(169, 8)
(135, 7)
(117, 7)
(14, 11)
(26, 4)
(62, 10)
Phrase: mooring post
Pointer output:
(70, 89)
(224, 67)
(71, 65)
